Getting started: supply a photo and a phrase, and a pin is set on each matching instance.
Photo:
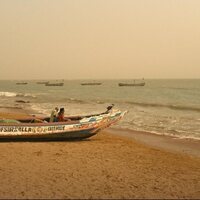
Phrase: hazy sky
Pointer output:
(99, 39)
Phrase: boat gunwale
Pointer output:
(39, 123)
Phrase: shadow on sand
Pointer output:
(10, 140)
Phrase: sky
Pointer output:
(99, 39)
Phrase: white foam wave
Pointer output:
(14, 94)
(8, 94)
(40, 109)
(29, 95)
(175, 136)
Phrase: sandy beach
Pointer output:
(102, 167)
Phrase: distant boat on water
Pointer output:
(54, 84)
(42, 82)
(133, 84)
(91, 83)
(21, 83)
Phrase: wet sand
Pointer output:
(168, 143)
(104, 166)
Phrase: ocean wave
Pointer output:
(14, 94)
(10, 107)
(38, 109)
(181, 88)
(194, 91)
(8, 94)
(74, 100)
(81, 101)
(26, 95)
(175, 107)
(180, 135)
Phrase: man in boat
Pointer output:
(61, 114)
(54, 115)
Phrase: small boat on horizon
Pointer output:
(21, 83)
(42, 82)
(73, 127)
(91, 83)
(133, 84)
(54, 84)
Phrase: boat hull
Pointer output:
(73, 135)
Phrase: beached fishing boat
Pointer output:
(74, 127)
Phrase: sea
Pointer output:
(165, 107)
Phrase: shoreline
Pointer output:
(169, 143)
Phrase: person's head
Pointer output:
(56, 108)
(62, 110)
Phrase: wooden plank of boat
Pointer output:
(74, 129)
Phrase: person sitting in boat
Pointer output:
(61, 114)
(54, 115)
